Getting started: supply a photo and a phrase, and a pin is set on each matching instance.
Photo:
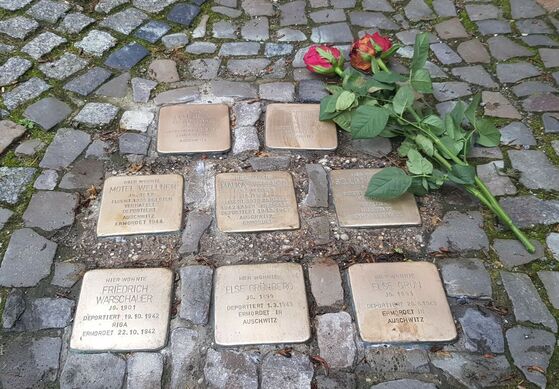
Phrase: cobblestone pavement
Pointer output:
(82, 82)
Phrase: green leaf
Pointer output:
(355, 81)
(374, 85)
(389, 133)
(362, 84)
(470, 112)
(328, 107)
(453, 129)
(388, 77)
(489, 136)
(463, 175)
(390, 183)
(328, 103)
(403, 99)
(425, 144)
(420, 51)
(345, 100)
(417, 164)
(450, 126)
(334, 89)
(344, 121)
(421, 81)
(417, 187)
(437, 179)
(435, 124)
(452, 145)
(405, 147)
(457, 113)
(434, 121)
(368, 122)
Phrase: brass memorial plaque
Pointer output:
(140, 205)
(262, 201)
(297, 126)
(355, 210)
(260, 304)
(401, 303)
(123, 310)
(193, 128)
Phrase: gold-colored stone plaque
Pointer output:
(400, 303)
(123, 310)
(355, 210)
(193, 128)
(260, 304)
(261, 201)
(140, 205)
(297, 126)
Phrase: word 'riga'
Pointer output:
(128, 309)
(123, 310)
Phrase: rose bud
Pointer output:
(382, 41)
(324, 60)
(366, 53)
(362, 53)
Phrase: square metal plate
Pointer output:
(297, 127)
(400, 303)
(141, 205)
(355, 210)
(261, 201)
(123, 310)
(260, 304)
(193, 128)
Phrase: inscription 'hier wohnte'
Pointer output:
(141, 204)
(260, 304)
(355, 210)
(256, 202)
(401, 303)
(123, 309)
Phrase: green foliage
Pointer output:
(368, 121)
(389, 183)
(436, 148)
(28, 124)
(345, 100)
(403, 99)
(417, 164)
(420, 52)
(421, 81)
(489, 136)
(464, 175)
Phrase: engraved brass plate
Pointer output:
(262, 201)
(141, 205)
(193, 128)
(260, 304)
(400, 303)
(355, 210)
(123, 310)
(297, 127)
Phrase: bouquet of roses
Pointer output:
(374, 101)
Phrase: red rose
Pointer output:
(323, 59)
(368, 49)
(382, 41)
(362, 52)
